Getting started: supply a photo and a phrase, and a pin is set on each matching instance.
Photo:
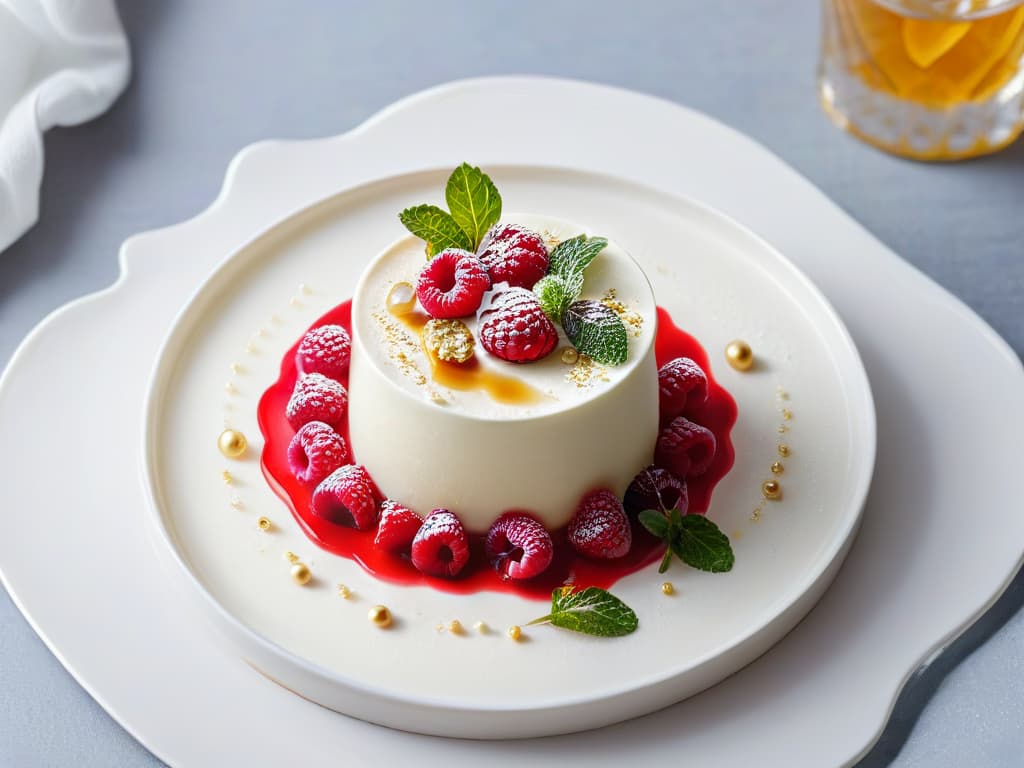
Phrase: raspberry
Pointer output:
(398, 526)
(656, 489)
(514, 255)
(515, 328)
(600, 529)
(315, 451)
(325, 350)
(440, 547)
(685, 449)
(518, 546)
(316, 398)
(347, 497)
(452, 284)
(682, 386)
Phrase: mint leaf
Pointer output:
(556, 293)
(698, 542)
(595, 330)
(574, 255)
(435, 226)
(474, 201)
(591, 611)
(655, 522)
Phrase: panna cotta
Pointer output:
(498, 436)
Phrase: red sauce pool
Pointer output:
(718, 414)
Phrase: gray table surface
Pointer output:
(210, 78)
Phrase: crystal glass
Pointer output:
(928, 79)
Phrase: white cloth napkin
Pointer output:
(62, 62)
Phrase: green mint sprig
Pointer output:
(475, 207)
(592, 611)
(694, 539)
(595, 330)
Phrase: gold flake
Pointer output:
(778, 468)
(787, 414)
(448, 340)
(455, 627)
(783, 450)
(290, 556)
(633, 321)
(226, 477)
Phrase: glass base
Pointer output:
(917, 131)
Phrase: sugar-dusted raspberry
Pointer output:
(600, 528)
(347, 497)
(682, 386)
(518, 546)
(514, 254)
(452, 284)
(326, 349)
(440, 547)
(515, 328)
(684, 448)
(315, 451)
(656, 489)
(398, 527)
(316, 398)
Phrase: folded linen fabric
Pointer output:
(62, 62)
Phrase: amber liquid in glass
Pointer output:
(930, 87)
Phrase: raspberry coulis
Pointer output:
(718, 414)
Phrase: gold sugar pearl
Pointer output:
(380, 616)
(455, 627)
(301, 574)
(226, 477)
(771, 490)
(264, 524)
(232, 443)
(401, 299)
(570, 355)
(344, 592)
(481, 627)
(783, 450)
(667, 588)
(739, 355)
(787, 414)
(515, 632)
(777, 468)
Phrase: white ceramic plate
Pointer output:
(716, 279)
(915, 577)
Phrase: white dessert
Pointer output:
(429, 445)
